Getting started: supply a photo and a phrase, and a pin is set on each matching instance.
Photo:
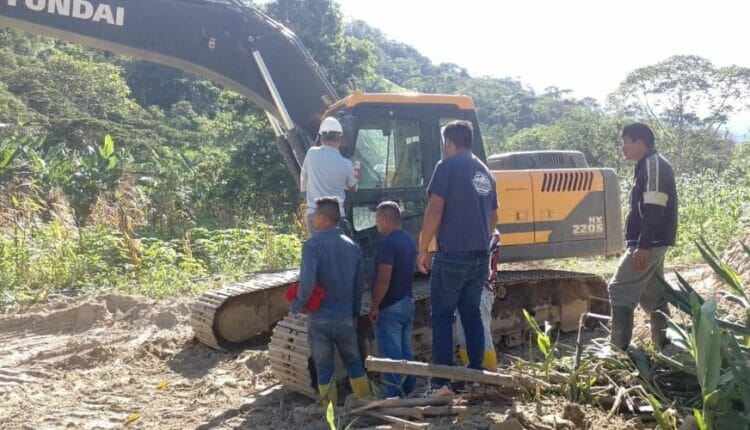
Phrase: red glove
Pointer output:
(316, 298)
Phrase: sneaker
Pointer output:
(436, 392)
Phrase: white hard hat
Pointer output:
(329, 125)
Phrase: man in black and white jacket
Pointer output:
(650, 229)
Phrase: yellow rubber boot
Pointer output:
(463, 354)
(489, 361)
(361, 387)
(328, 394)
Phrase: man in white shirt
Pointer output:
(325, 172)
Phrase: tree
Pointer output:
(345, 61)
(504, 105)
(155, 84)
(252, 177)
(584, 129)
(689, 101)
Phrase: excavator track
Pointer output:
(558, 297)
(234, 315)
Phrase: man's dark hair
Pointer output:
(391, 209)
(638, 130)
(459, 132)
(330, 208)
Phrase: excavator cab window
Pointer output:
(390, 157)
(389, 153)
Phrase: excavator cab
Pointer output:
(397, 139)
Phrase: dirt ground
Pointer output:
(116, 361)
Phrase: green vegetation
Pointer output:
(703, 375)
(117, 173)
(44, 258)
(712, 205)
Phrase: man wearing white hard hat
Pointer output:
(325, 172)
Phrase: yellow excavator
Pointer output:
(552, 205)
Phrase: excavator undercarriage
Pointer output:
(246, 312)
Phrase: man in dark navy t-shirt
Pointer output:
(462, 210)
(392, 310)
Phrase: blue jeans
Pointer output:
(456, 283)
(322, 335)
(393, 334)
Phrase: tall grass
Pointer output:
(48, 258)
(711, 205)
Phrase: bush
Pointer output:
(49, 258)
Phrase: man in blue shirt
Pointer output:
(392, 311)
(332, 260)
(462, 210)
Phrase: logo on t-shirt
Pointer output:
(481, 184)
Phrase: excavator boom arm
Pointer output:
(223, 40)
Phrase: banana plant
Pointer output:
(717, 348)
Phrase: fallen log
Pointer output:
(404, 367)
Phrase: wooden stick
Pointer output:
(404, 367)
(406, 403)
(402, 412)
(434, 411)
(424, 411)
(398, 421)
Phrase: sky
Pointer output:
(585, 46)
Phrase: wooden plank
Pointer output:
(404, 367)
